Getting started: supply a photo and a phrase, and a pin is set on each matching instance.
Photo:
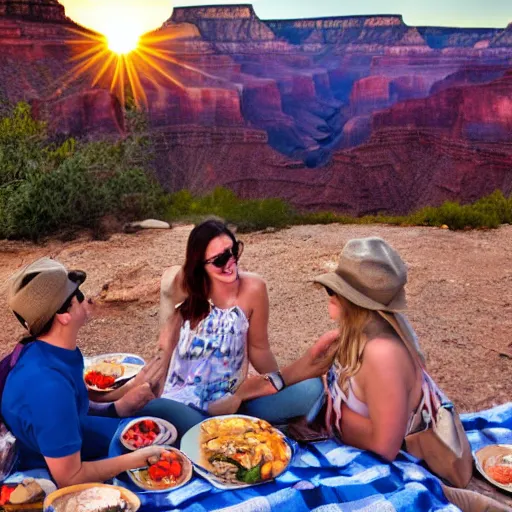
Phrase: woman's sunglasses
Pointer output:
(329, 292)
(220, 260)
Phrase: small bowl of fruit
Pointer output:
(147, 431)
(170, 472)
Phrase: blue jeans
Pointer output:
(302, 399)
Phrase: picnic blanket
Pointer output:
(328, 476)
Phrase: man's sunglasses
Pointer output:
(220, 260)
(80, 297)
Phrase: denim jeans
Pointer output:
(302, 399)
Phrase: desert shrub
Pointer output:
(256, 214)
(46, 186)
(247, 214)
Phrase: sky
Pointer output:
(147, 15)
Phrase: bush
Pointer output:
(250, 215)
(247, 214)
(45, 187)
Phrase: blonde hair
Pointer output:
(352, 339)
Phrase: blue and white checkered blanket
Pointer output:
(328, 477)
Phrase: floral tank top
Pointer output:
(210, 361)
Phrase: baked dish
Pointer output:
(243, 450)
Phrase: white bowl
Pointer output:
(168, 433)
(140, 479)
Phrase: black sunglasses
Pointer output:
(329, 292)
(220, 260)
(80, 297)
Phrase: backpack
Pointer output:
(8, 448)
(441, 441)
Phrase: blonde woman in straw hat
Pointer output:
(377, 388)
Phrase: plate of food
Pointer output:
(107, 372)
(495, 464)
(237, 451)
(27, 494)
(87, 497)
(172, 471)
(146, 431)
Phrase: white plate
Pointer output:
(132, 364)
(185, 477)
(168, 433)
(492, 454)
(191, 446)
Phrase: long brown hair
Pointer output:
(352, 339)
(196, 282)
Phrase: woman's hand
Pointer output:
(134, 400)
(153, 373)
(321, 355)
(255, 386)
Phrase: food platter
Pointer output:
(237, 451)
(494, 462)
(71, 498)
(147, 431)
(172, 471)
(107, 372)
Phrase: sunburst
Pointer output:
(122, 64)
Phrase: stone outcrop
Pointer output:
(35, 10)
(478, 112)
(224, 23)
(94, 111)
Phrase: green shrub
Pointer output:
(45, 187)
(247, 214)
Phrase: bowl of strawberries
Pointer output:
(171, 471)
(146, 431)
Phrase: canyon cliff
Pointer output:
(362, 114)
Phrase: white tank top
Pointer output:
(209, 361)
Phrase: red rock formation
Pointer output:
(94, 111)
(369, 94)
(40, 10)
(272, 108)
(479, 112)
(225, 23)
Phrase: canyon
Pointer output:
(358, 114)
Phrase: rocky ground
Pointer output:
(459, 291)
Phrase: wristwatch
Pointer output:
(276, 379)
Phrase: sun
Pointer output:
(122, 42)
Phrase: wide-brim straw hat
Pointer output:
(371, 274)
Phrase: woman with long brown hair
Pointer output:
(214, 323)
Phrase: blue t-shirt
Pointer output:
(45, 402)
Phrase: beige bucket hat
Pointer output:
(370, 274)
(36, 292)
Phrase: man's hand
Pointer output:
(134, 400)
(146, 456)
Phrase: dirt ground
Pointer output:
(459, 293)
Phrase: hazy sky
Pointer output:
(149, 14)
(494, 13)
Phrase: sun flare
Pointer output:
(121, 42)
